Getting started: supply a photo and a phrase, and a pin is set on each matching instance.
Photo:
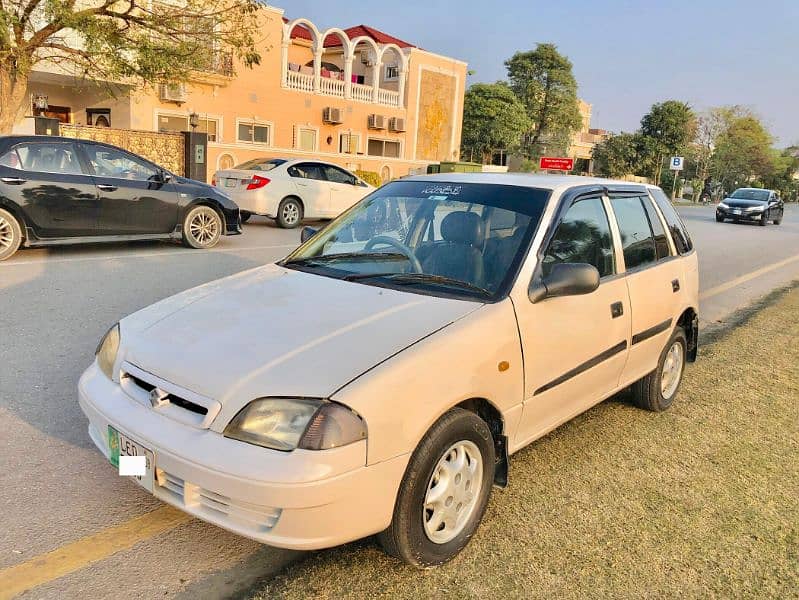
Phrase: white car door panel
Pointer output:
(312, 188)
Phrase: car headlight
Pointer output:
(289, 423)
(722, 205)
(107, 349)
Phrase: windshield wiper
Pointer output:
(344, 256)
(412, 278)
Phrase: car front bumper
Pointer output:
(743, 215)
(302, 500)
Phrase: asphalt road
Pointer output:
(56, 489)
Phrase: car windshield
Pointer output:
(260, 164)
(746, 194)
(463, 240)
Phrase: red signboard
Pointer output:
(560, 164)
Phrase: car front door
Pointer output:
(54, 190)
(574, 347)
(345, 189)
(312, 188)
(134, 198)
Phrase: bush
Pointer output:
(370, 177)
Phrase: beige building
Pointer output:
(357, 97)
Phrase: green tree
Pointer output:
(544, 82)
(493, 117)
(127, 42)
(742, 153)
(623, 154)
(669, 127)
(784, 174)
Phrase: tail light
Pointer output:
(213, 181)
(257, 182)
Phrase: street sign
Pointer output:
(676, 163)
(560, 164)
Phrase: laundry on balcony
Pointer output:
(306, 70)
(294, 67)
(358, 79)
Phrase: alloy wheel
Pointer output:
(290, 213)
(204, 227)
(6, 234)
(672, 370)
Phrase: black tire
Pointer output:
(245, 216)
(202, 228)
(778, 221)
(719, 219)
(289, 213)
(406, 538)
(10, 234)
(647, 391)
(763, 222)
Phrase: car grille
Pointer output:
(216, 507)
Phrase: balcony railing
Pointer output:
(329, 86)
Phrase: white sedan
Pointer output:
(290, 190)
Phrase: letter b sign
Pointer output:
(676, 163)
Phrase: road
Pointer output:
(57, 492)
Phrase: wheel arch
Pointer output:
(294, 197)
(492, 416)
(689, 321)
(210, 203)
(18, 214)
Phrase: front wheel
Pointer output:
(764, 221)
(289, 213)
(202, 227)
(657, 391)
(444, 491)
(719, 219)
(10, 234)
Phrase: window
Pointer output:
(583, 236)
(306, 139)
(308, 171)
(261, 164)
(636, 234)
(251, 132)
(109, 162)
(44, 158)
(661, 243)
(348, 143)
(392, 72)
(389, 148)
(178, 123)
(336, 175)
(682, 241)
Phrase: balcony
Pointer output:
(217, 69)
(329, 86)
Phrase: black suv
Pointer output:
(56, 190)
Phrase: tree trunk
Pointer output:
(13, 87)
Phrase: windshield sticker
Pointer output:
(438, 198)
(449, 190)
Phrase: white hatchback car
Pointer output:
(377, 379)
(290, 190)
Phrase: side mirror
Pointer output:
(307, 233)
(565, 279)
(165, 177)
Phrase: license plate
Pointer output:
(737, 211)
(121, 445)
(231, 182)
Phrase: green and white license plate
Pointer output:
(121, 445)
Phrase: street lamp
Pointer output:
(194, 120)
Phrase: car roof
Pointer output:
(533, 180)
(755, 189)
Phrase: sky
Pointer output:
(627, 55)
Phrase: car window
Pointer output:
(260, 164)
(308, 171)
(682, 241)
(108, 162)
(583, 236)
(44, 158)
(337, 175)
(661, 243)
(636, 233)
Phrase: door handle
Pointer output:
(106, 187)
(616, 309)
(675, 285)
(13, 180)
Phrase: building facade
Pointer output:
(358, 97)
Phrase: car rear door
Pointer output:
(574, 347)
(134, 199)
(654, 277)
(345, 189)
(313, 188)
(52, 187)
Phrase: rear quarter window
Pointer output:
(682, 240)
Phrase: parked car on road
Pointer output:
(751, 204)
(56, 190)
(290, 190)
(376, 380)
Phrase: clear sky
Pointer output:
(626, 54)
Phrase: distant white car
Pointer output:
(290, 190)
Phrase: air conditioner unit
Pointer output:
(333, 115)
(173, 92)
(396, 124)
(376, 122)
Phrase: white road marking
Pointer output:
(720, 289)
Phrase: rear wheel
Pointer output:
(289, 213)
(10, 234)
(202, 227)
(444, 491)
(778, 221)
(657, 391)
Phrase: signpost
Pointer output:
(558, 164)
(676, 165)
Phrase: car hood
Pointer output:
(743, 203)
(272, 331)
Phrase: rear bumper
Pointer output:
(301, 500)
(256, 202)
